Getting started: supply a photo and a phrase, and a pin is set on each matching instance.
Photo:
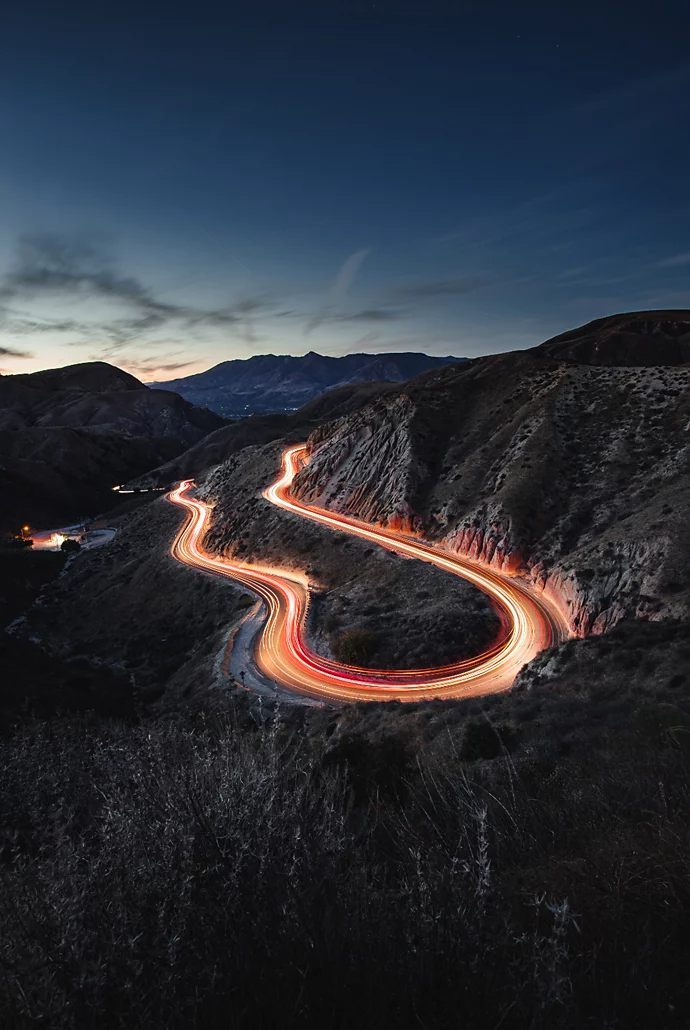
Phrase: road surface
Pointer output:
(282, 654)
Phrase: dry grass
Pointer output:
(211, 875)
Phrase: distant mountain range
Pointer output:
(279, 383)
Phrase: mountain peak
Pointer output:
(86, 376)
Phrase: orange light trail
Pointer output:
(282, 654)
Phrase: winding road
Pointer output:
(282, 655)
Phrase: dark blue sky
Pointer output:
(186, 184)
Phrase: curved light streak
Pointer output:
(281, 651)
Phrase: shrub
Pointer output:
(70, 546)
(355, 646)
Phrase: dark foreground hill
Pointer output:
(273, 383)
(68, 435)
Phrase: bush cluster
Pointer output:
(355, 646)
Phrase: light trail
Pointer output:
(282, 654)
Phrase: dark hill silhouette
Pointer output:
(67, 435)
(98, 395)
(638, 338)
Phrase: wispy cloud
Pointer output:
(53, 265)
(676, 261)
(372, 340)
(340, 288)
(78, 270)
(543, 218)
(12, 352)
(152, 369)
(453, 286)
(368, 315)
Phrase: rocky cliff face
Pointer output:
(574, 475)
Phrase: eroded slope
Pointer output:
(578, 475)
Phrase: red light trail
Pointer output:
(282, 654)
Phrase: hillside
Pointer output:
(96, 395)
(275, 383)
(68, 435)
(52, 477)
(576, 474)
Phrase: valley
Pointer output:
(566, 479)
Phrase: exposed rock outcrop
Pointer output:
(574, 476)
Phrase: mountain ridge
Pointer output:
(624, 339)
(268, 383)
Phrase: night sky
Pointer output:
(182, 186)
